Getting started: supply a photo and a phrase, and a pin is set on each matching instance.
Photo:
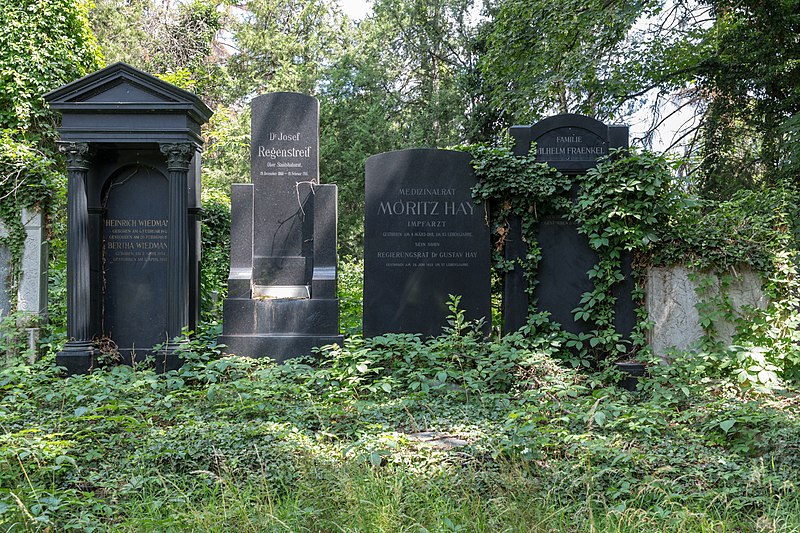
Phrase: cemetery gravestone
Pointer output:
(5, 273)
(131, 142)
(32, 290)
(572, 144)
(282, 299)
(30, 294)
(424, 239)
(24, 288)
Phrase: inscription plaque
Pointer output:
(134, 246)
(570, 144)
(424, 239)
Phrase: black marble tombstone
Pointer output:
(282, 299)
(132, 145)
(572, 144)
(424, 239)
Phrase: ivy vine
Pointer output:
(43, 44)
(522, 187)
(619, 207)
(622, 203)
(716, 240)
(631, 205)
(26, 178)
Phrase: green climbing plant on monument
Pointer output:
(43, 44)
(631, 204)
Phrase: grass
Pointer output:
(229, 444)
(359, 498)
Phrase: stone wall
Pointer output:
(672, 305)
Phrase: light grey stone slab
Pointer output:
(672, 302)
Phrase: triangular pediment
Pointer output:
(122, 85)
(123, 90)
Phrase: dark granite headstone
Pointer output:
(572, 144)
(284, 166)
(134, 251)
(562, 275)
(424, 239)
(282, 299)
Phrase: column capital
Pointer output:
(178, 155)
(76, 154)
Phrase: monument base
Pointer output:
(164, 360)
(279, 347)
(78, 357)
(168, 358)
(280, 328)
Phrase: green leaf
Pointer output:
(375, 458)
(600, 418)
(765, 376)
(727, 425)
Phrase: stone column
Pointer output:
(79, 351)
(178, 157)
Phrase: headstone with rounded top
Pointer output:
(572, 144)
(425, 239)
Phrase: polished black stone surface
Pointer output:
(131, 143)
(562, 276)
(282, 299)
(135, 253)
(284, 168)
(571, 143)
(424, 239)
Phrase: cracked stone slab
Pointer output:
(437, 440)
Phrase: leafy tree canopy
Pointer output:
(752, 81)
(43, 44)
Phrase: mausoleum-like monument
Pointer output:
(132, 146)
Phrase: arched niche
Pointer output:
(135, 253)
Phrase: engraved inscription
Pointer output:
(135, 240)
(283, 160)
(425, 215)
(566, 144)
(424, 240)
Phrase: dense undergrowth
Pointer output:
(229, 443)
(454, 433)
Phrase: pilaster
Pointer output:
(178, 156)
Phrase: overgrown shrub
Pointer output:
(215, 259)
